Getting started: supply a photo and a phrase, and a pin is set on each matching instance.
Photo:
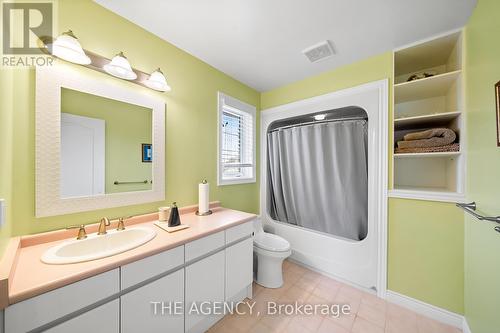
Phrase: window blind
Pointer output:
(236, 146)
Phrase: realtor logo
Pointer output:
(24, 24)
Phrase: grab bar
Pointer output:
(471, 208)
(116, 182)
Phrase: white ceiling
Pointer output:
(259, 42)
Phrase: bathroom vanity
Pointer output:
(147, 289)
(130, 280)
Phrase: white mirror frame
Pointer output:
(49, 82)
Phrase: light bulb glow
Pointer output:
(120, 67)
(320, 117)
(157, 81)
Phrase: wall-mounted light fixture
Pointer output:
(120, 67)
(67, 47)
(157, 81)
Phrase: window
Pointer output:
(236, 153)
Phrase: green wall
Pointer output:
(127, 127)
(191, 119)
(425, 248)
(6, 100)
(425, 244)
(482, 243)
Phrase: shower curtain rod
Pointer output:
(318, 122)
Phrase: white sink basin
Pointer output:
(96, 247)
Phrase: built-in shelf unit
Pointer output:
(430, 102)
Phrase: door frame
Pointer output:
(99, 149)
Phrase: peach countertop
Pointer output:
(28, 276)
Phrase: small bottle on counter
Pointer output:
(174, 220)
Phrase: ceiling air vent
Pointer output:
(319, 51)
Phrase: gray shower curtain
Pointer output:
(318, 177)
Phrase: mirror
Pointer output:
(100, 142)
(105, 145)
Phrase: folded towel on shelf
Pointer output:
(430, 133)
(442, 149)
(435, 137)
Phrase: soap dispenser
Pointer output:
(174, 219)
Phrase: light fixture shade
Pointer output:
(67, 47)
(157, 81)
(120, 67)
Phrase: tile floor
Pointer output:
(369, 314)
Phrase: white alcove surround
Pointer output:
(49, 82)
(362, 263)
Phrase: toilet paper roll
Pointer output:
(203, 197)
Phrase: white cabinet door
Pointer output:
(103, 319)
(152, 308)
(239, 272)
(204, 283)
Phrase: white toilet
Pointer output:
(270, 251)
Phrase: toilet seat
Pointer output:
(271, 242)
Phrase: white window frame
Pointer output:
(226, 100)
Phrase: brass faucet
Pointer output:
(102, 226)
(81, 231)
(121, 224)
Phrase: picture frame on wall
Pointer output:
(147, 152)
(497, 102)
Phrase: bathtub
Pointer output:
(360, 263)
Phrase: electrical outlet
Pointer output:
(2, 212)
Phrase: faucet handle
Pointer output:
(82, 234)
(121, 224)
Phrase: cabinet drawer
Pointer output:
(204, 245)
(149, 267)
(105, 318)
(239, 232)
(43, 309)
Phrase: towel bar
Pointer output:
(116, 182)
(471, 209)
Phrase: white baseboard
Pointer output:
(330, 275)
(465, 327)
(428, 310)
